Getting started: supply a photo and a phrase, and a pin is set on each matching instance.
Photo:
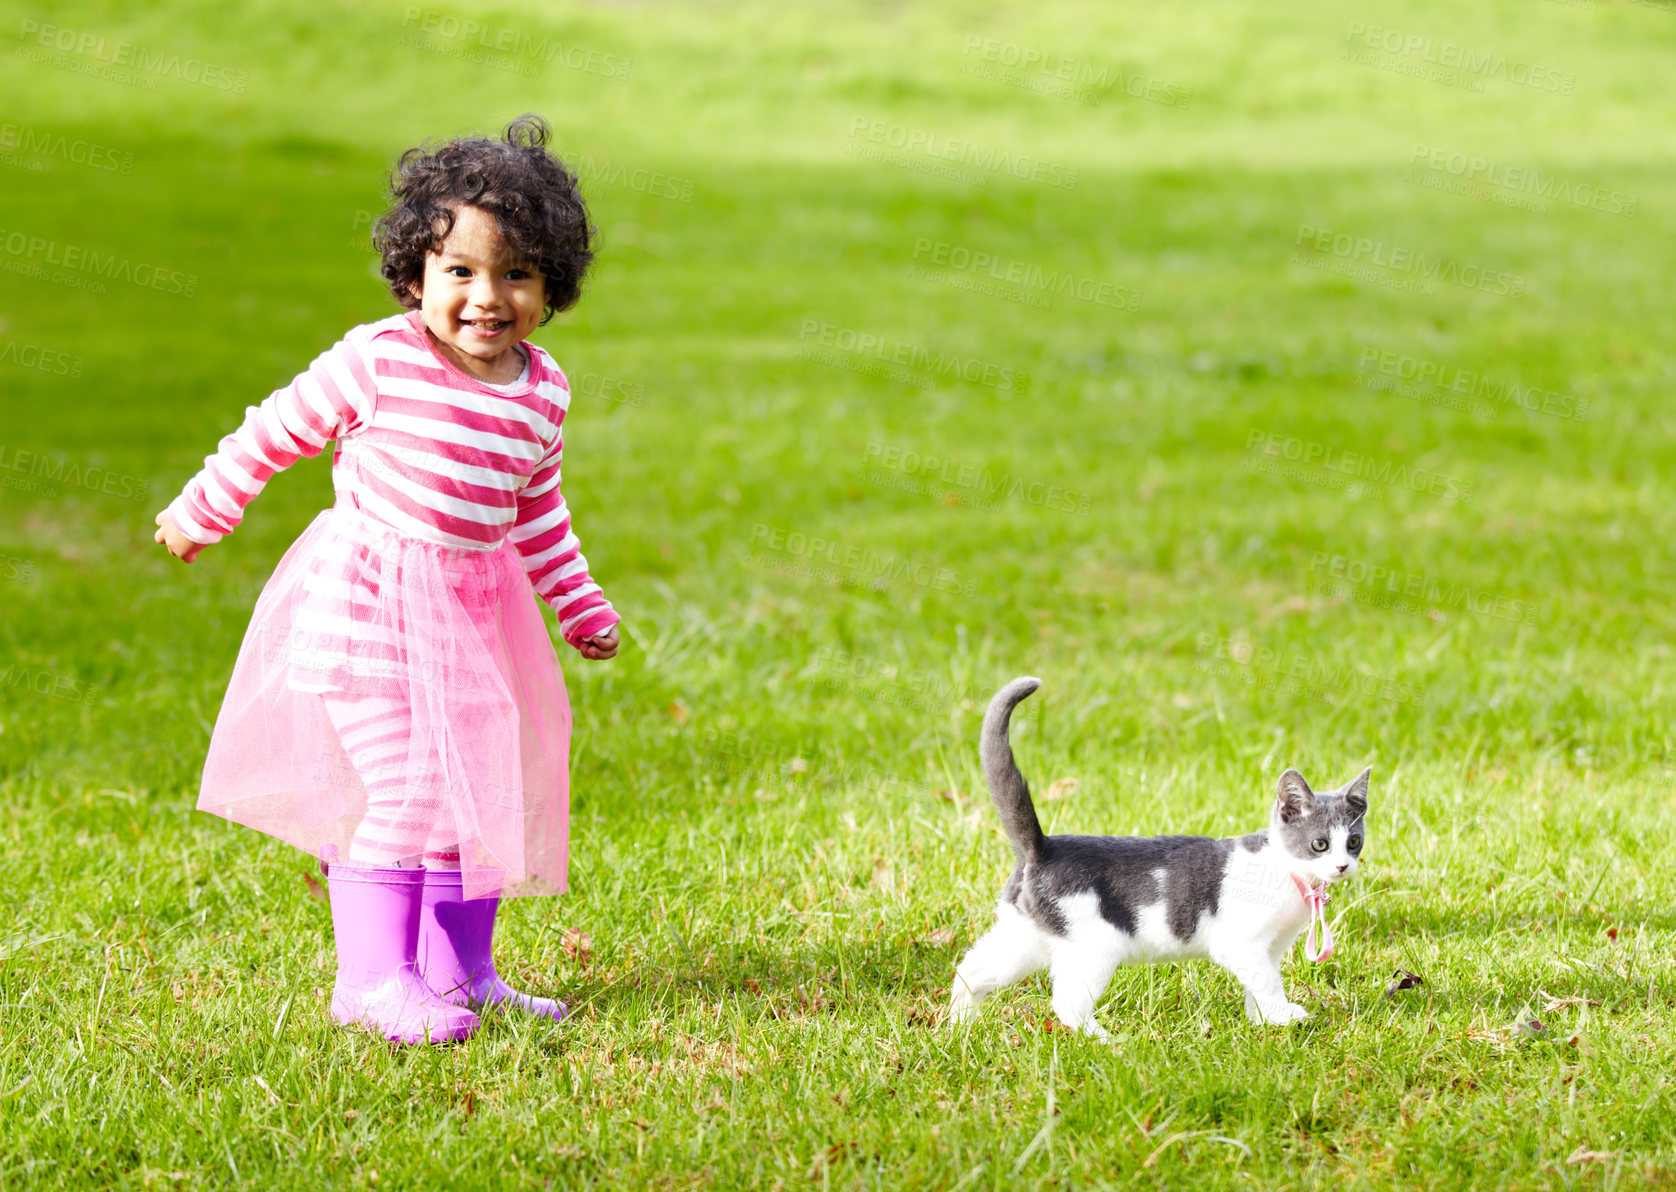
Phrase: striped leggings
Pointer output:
(408, 823)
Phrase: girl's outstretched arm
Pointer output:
(332, 399)
(552, 558)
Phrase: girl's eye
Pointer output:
(459, 271)
(1319, 844)
(518, 274)
(1354, 843)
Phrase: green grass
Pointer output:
(780, 839)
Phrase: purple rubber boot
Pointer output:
(375, 917)
(455, 951)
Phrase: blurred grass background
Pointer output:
(781, 841)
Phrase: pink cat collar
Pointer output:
(1316, 901)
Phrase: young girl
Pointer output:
(397, 709)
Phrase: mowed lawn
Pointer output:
(1284, 385)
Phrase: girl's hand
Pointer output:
(600, 645)
(180, 546)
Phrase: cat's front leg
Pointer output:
(1265, 993)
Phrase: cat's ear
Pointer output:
(1295, 797)
(1356, 794)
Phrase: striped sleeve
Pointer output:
(552, 556)
(334, 398)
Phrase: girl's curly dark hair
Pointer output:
(535, 200)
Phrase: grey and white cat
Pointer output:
(1080, 906)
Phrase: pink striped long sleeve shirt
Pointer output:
(422, 447)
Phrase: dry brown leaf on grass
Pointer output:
(1559, 1003)
(1061, 788)
(941, 938)
(578, 945)
(678, 712)
(1526, 1030)
(838, 1150)
(925, 1014)
(1292, 604)
(315, 890)
(1584, 1155)
(1403, 979)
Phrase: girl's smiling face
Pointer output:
(478, 300)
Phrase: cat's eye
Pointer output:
(1353, 844)
(1319, 844)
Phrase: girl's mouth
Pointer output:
(486, 328)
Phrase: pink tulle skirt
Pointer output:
(358, 614)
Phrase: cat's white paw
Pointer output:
(963, 1007)
(1275, 1015)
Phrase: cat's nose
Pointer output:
(1343, 867)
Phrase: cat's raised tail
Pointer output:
(1006, 785)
